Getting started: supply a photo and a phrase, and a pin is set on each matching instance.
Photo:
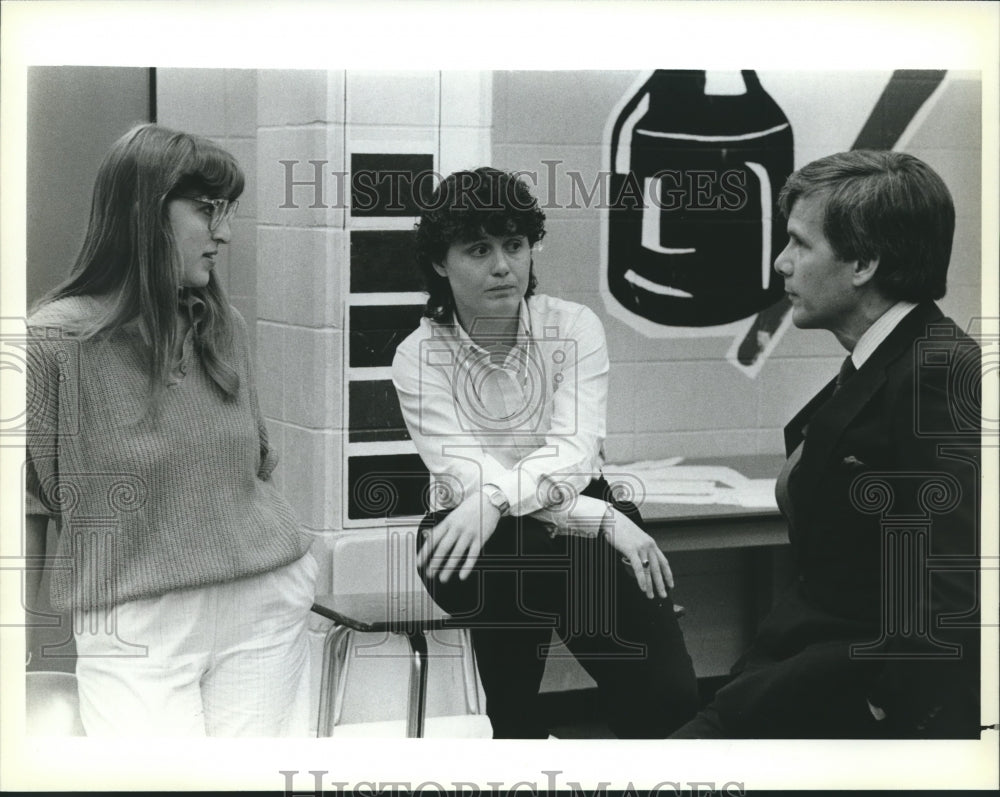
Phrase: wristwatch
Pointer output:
(496, 497)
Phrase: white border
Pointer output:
(524, 35)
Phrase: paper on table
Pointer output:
(685, 479)
(663, 482)
(756, 493)
(651, 464)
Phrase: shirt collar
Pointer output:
(879, 331)
(523, 338)
(193, 304)
(187, 302)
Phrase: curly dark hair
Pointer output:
(464, 206)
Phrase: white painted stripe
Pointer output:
(667, 250)
(388, 298)
(766, 201)
(655, 287)
(369, 374)
(652, 216)
(380, 222)
(382, 448)
(694, 137)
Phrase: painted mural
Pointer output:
(692, 227)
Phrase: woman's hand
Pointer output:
(460, 536)
(647, 560)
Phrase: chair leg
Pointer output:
(470, 674)
(335, 647)
(344, 668)
(418, 684)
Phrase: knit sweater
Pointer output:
(147, 503)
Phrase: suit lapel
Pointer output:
(828, 416)
(795, 428)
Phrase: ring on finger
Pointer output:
(645, 564)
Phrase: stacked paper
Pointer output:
(667, 482)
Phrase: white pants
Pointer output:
(227, 659)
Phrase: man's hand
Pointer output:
(460, 536)
(647, 560)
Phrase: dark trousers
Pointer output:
(800, 680)
(528, 583)
(825, 699)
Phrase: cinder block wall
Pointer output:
(221, 104)
(288, 270)
(678, 396)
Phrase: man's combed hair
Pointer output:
(463, 207)
(883, 205)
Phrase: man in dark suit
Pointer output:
(878, 635)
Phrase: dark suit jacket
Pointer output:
(884, 535)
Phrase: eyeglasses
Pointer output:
(222, 209)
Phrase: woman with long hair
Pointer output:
(186, 573)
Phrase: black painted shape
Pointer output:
(390, 185)
(383, 260)
(906, 92)
(386, 486)
(374, 412)
(700, 253)
(377, 330)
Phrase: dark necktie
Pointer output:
(847, 370)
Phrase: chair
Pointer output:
(377, 591)
(401, 606)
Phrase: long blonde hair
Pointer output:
(129, 256)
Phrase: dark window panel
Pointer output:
(384, 260)
(390, 185)
(377, 330)
(374, 412)
(386, 486)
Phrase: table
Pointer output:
(704, 526)
(761, 531)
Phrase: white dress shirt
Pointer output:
(530, 421)
(879, 331)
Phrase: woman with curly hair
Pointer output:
(504, 392)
